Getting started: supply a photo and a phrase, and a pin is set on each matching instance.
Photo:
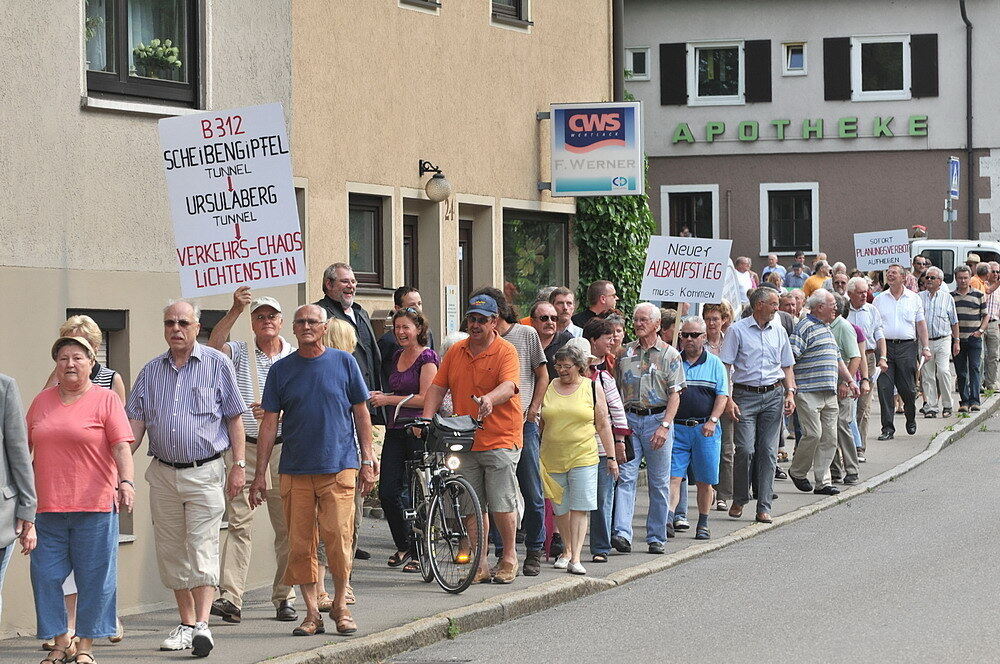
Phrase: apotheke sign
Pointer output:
(749, 131)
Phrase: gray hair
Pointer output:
(855, 283)
(654, 311)
(195, 308)
(842, 304)
(544, 292)
(615, 319)
(982, 269)
(694, 320)
(934, 271)
(820, 265)
(318, 308)
(330, 273)
(818, 298)
(759, 294)
(839, 267)
(451, 339)
(574, 355)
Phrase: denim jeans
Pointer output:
(529, 481)
(657, 477)
(5, 554)
(600, 519)
(85, 543)
(394, 484)
(682, 500)
(967, 370)
(756, 438)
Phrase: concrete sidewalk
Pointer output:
(389, 601)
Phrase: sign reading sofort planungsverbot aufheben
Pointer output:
(229, 180)
(685, 269)
(597, 149)
(879, 250)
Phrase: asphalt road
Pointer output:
(906, 573)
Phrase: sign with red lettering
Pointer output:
(685, 269)
(229, 180)
(879, 250)
(596, 149)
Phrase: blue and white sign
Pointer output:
(597, 149)
(954, 168)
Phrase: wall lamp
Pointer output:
(437, 188)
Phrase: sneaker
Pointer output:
(721, 505)
(201, 640)
(576, 568)
(561, 563)
(532, 563)
(681, 523)
(179, 639)
(862, 458)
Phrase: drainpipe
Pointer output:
(618, 48)
(970, 178)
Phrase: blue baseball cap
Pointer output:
(483, 305)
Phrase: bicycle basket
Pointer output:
(451, 434)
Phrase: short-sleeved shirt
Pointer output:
(899, 317)
(971, 308)
(939, 312)
(780, 269)
(647, 377)
(467, 375)
(845, 334)
(816, 354)
(315, 395)
(557, 342)
(241, 364)
(812, 283)
(757, 354)
(407, 381)
(185, 408)
(706, 379)
(870, 321)
(71, 444)
(792, 280)
(530, 354)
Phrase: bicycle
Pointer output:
(438, 499)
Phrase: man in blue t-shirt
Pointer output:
(322, 397)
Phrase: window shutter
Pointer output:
(924, 65)
(837, 68)
(673, 74)
(757, 77)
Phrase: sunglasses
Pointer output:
(547, 318)
(171, 322)
(311, 322)
(930, 278)
(477, 319)
(691, 335)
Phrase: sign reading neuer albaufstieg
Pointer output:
(596, 149)
(232, 201)
(879, 250)
(685, 269)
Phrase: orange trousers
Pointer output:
(319, 506)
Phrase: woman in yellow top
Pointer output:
(574, 412)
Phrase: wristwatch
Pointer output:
(242, 463)
(713, 420)
(792, 390)
(129, 482)
(665, 425)
(368, 463)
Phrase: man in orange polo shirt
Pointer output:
(482, 373)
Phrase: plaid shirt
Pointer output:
(993, 305)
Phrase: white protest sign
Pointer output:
(229, 180)
(879, 250)
(685, 269)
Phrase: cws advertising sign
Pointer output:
(596, 149)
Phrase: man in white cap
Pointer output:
(265, 321)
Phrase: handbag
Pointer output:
(451, 434)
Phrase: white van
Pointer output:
(946, 254)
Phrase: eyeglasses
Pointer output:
(547, 318)
(995, 271)
(170, 322)
(691, 335)
(931, 277)
(263, 317)
(477, 319)
(640, 320)
(311, 322)
(410, 310)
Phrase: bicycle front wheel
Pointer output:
(419, 503)
(451, 540)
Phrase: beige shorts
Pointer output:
(493, 476)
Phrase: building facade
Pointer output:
(798, 124)
(369, 90)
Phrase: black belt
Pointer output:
(645, 411)
(253, 440)
(692, 421)
(759, 389)
(941, 337)
(900, 341)
(190, 464)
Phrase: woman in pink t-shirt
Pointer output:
(80, 438)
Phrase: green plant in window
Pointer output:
(528, 259)
(158, 59)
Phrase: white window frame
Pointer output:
(765, 188)
(785, 48)
(879, 95)
(667, 189)
(692, 75)
(628, 62)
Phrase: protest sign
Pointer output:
(685, 269)
(229, 181)
(879, 250)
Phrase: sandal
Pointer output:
(324, 602)
(412, 566)
(61, 659)
(600, 558)
(89, 656)
(351, 599)
(49, 645)
(395, 560)
(345, 624)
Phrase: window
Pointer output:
(715, 73)
(430, 5)
(513, 12)
(637, 64)
(943, 259)
(365, 238)
(535, 247)
(880, 68)
(789, 218)
(690, 210)
(410, 251)
(143, 48)
(794, 63)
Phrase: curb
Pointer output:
(519, 603)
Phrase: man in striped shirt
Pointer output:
(189, 402)
(972, 321)
(817, 368)
(942, 337)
